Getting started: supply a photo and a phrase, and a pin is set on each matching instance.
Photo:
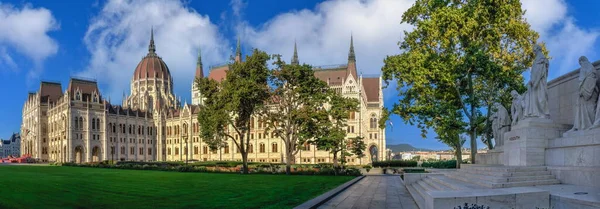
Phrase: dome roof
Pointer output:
(152, 66)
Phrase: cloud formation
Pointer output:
(117, 39)
(323, 33)
(565, 40)
(25, 31)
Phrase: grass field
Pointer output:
(74, 187)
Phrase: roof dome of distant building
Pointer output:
(152, 66)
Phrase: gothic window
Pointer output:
(226, 149)
(93, 124)
(373, 122)
(77, 95)
(261, 147)
(141, 151)
(122, 150)
(250, 148)
(274, 147)
(169, 151)
(149, 151)
(176, 150)
(76, 123)
(204, 150)
(307, 146)
(80, 123)
(195, 150)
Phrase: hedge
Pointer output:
(395, 163)
(439, 164)
(219, 167)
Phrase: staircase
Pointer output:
(477, 179)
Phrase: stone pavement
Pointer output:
(374, 192)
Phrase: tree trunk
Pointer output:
(244, 162)
(473, 131)
(458, 154)
(288, 164)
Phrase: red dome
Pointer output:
(152, 65)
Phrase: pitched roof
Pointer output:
(372, 88)
(50, 91)
(218, 73)
(333, 76)
(85, 86)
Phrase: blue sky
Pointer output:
(104, 40)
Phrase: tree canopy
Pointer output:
(457, 51)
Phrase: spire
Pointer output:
(295, 57)
(238, 51)
(199, 72)
(351, 56)
(151, 47)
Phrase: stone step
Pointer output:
(461, 177)
(454, 184)
(489, 184)
(416, 195)
(503, 179)
(506, 168)
(505, 174)
(425, 185)
(437, 185)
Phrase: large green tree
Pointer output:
(230, 104)
(331, 134)
(296, 93)
(455, 50)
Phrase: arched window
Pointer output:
(195, 150)
(123, 150)
(373, 124)
(251, 122)
(185, 150)
(205, 150)
(93, 124)
(226, 149)
(80, 123)
(76, 123)
(169, 151)
(176, 150)
(274, 147)
(250, 148)
(261, 148)
(185, 129)
(307, 146)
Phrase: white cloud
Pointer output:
(323, 33)
(118, 38)
(25, 31)
(565, 40)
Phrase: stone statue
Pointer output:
(585, 106)
(516, 108)
(536, 98)
(500, 123)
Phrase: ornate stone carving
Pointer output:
(585, 106)
(536, 98)
(500, 123)
(517, 107)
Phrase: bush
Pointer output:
(395, 163)
(439, 164)
(367, 167)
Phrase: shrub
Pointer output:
(439, 164)
(395, 163)
(367, 167)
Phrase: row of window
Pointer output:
(78, 123)
(131, 151)
(141, 130)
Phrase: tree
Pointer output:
(356, 146)
(449, 129)
(230, 104)
(456, 49)
(331, 134)
(296, 92)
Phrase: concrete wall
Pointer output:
(575, 159)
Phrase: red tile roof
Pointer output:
(50, 91)
(372, 88)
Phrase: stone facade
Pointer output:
(11, 147)
(151, 124)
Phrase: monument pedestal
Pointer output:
(526, 143)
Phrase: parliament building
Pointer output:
(78, 124)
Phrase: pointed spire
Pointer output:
(351, 56)
(151, 47)
(238, 51)
(199, 72)
(295, 60)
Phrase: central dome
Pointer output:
(152, 66)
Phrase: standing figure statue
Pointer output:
(585, 106)
(536, 100)
(500, 124)
(516, 108)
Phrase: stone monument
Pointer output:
(536, 98)
(500, 124)
(516, 108)
(587, 97)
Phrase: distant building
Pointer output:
(11, 147)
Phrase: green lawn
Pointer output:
(74, 187)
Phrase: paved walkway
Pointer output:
(374, 192)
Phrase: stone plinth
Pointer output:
(526, 143)
(492, 157)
